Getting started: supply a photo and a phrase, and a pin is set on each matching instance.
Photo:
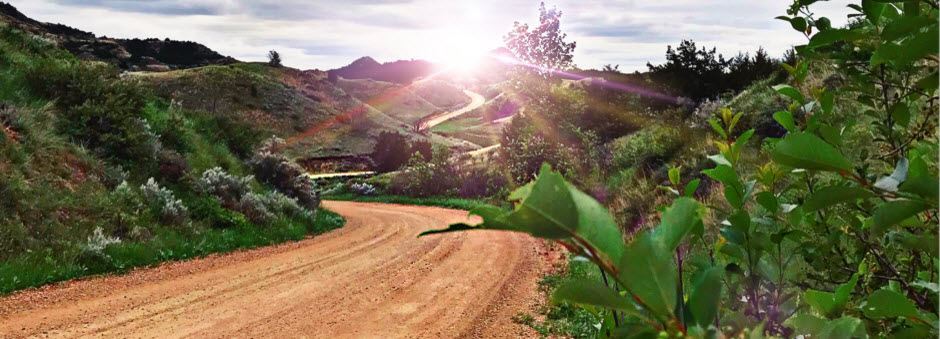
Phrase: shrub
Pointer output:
(99, 108)
(362, 188)
(172, 165)
(648, 148)
(227, 188)
(163, 203)
(479, 182)
(422, 178)
(286, 176)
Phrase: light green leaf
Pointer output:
(843, 328)
(649, 273)
(785, 119)
(833, 195)
(805, 324)
(805, 150)
(678, 220)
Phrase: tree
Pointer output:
(542, 48)
(274, 59)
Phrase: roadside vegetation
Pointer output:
(804, 205)
(100, 175)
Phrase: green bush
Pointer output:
(648, 148)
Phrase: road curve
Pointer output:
(371, 279)
(476, 100)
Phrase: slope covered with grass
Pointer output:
(98, 174)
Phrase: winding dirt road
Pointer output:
(371, 279)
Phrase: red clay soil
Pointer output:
(373, 278)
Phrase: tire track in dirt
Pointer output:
(371, 278)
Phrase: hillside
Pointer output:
(401, 71)
(130, 54)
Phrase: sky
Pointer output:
(329, 34)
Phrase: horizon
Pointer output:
(390, 30)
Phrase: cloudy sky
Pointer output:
(329, 34)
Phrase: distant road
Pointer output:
(340, 175)
(373, 278)
(476, 100)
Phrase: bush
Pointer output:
(393, 150)
(163, 203)
(362, 188)
(100, 109)
(227, 188)
(422, 178)
(172, 165)
(286, 176)
(482, 182)
(648, 148)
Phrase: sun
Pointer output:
(460, 51)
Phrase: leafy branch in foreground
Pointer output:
(829, 232)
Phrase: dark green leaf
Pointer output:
(901, 113)
(734, 189)
(826, 37)
(594, 293)
(691, 187)
(768, 201)
(805, 324)
(833, 195)
(805, 150)
(706, 296)
(924, 186)
(889, 304)
(893, 212)
(790, 92)
(842, 328)
(903, 27)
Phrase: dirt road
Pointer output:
(371, 279)
(476, 100)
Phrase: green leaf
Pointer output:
(594, 293)
(833, 195)
(554, 209)
(909, 50)
(805, 150)
(785, 119)
(734, 189)
(926, 187)
(904, 27)
(768, 201)
(827, 102)
(923, 242)
(717, 128)
(893, 212)
(929, 83)
(674, 175)
(842, 328)
(649, 273)
(827, 37)
(691, 187)
(798, 24)
(706, 296)
(678, 220)
(889, 304)
(901, 113)
(790, 92)
(805, 324)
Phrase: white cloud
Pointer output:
(325, 34)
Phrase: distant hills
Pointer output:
(400, 72)
(129, 54)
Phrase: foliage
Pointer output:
(286, 176)
(830, 231)
(393, 150)
(541, 48)
(700, 73)
(274, 59)
(164, 203)
(421, 178)
(648, 148)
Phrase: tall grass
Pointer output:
(34, 269)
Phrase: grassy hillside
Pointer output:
(98, 174)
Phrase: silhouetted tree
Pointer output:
(542, 47)
(274, 59)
